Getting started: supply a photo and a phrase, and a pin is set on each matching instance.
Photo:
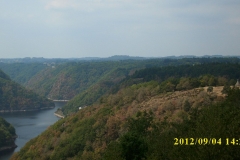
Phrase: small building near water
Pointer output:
(82, 107)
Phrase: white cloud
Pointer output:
(61, 4)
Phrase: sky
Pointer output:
(103, 28)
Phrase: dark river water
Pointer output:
(29, 125)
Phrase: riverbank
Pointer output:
(59, 113)
(29, 125)
(11, 146)
(60, 100)
(7, 148)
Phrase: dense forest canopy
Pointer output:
(22, 72)
(170, 78)
(113, 130)
(7, 134)
(229, 71)
(14, 97)
(4, 76)
(214, 126)
(66, 79)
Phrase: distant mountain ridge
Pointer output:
(111, 58)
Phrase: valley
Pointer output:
(29, 125)
(133, 103)
(136, 80)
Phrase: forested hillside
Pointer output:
(22, 72)
(145, 118)
(207, 133)
(137, 122)
(172, 78)
(67, 79)
(14, 97)
(7, 136)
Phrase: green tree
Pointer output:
(226, 89)
(210, 89)
(184, 84)
(134, 145)
(186, 106)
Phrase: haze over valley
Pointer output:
(122, 80)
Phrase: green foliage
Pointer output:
(186, 106)
(135, 92)
(89, 80)
(14, 97)
(233, 96)
(133, 147)
(210, 89)
(133, 144)
(105, 131)
(7, 133)
(3, 75)
(22, 72)
(69, 79)
(218, 122)
(114, 151)
(141, 123)
(206, 72)
(100, 132)
(165, 79)
(226, 89)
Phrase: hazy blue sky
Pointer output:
(102, 28)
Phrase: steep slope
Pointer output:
(7, 136)
(230, 71)
(174, 78)
(13, 97)
(4, 76)
(22, 72)
(176, 107)
(66, 80)
(86, 134)
(202, 134)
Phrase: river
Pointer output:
(29, 125)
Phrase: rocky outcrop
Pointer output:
(9, 147)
